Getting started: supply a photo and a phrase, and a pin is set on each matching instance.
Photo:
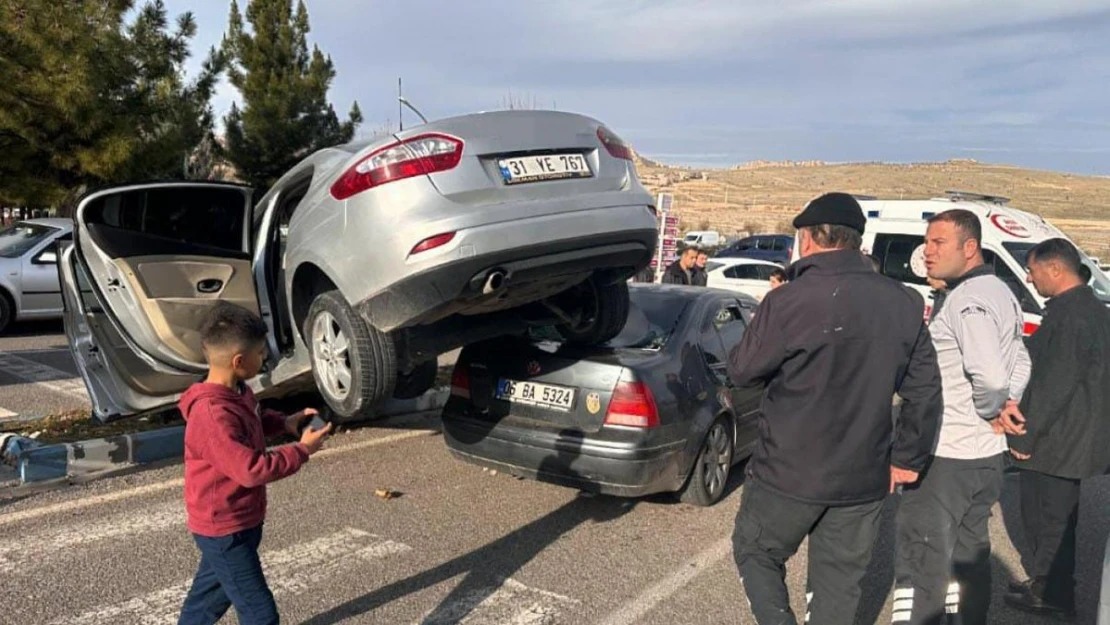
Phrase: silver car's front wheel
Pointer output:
(353, 363)
(331, 355)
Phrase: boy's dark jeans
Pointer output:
(230, 573)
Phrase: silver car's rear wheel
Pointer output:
(354, 364)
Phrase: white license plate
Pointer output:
(535, 394)
(545, 167)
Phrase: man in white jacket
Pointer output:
(943, 554)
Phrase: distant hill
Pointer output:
(763, 196)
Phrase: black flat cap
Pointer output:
(835, 209)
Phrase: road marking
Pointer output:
(43, 375)
(289, 571)
(80, 504)
(35, 548)
(509, 603)
(633, 611)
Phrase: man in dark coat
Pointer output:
(832, 347)
(682, 270)
(1066, 408)
(700, 274)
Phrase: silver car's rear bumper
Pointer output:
(616, 241)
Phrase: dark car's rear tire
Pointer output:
(6, 311)
(417, 382)
(712, 467)
(603, 311)
(354, 364)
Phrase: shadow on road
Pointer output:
(487, 567)
(37, 328)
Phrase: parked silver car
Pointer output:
(29, 287)
(366, 260)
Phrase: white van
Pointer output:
(895, 235)
(704, 238)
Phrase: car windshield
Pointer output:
(652, 318)
(1099, 282)
(17, 240)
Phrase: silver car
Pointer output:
(29, 287)
(366, 260)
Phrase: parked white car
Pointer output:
(704, 238)
(29, 287)
(743, 275)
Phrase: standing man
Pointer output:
(681, 271)
(701, 277)
(943, 554)
(1067, 424)
(832, 346)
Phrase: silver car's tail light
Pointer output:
(420, 155)
(614, 145)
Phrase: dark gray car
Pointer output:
(651, 411)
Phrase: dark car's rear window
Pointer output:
(652, 317)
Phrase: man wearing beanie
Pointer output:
(832, 346)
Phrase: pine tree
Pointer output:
(285, 114)
(88, 98)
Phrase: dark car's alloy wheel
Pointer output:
(712, 467)
(354, 364)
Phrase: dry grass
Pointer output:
(764, 197)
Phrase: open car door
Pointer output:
(147, 263)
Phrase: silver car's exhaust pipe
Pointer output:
(494, 282)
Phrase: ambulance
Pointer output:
(895, 236)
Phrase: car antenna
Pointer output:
(402, 101)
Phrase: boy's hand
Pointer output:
(313, 440)
(293, 421)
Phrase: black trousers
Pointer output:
(769, 529)
(942, 571)
(1050, 513)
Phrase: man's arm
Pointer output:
(760, 354)
(976, 330)
(922, 406)
(1057, 374)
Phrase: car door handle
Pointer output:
(211, 285)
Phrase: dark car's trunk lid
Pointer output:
(544, 383)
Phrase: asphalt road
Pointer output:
(460, 545)
(37, 374)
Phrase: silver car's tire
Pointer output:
(712, 467)
(353, 363)
(603, 312)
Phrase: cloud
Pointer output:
(744, 79)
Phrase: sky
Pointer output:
(721, 82)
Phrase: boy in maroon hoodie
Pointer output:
(227, 468)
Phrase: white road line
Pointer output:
(45, 376)
(35, 548)
(633, 611)
(289, 571)
(510, 603)
(138, 491)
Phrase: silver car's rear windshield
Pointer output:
(20, 238)
(652, 318)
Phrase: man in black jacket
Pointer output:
(682, 270)
(1067, 428)
(832, 346)
(700, 276)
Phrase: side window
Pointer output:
(169, 220)
(49, 254)
(765, 244)
(1016, 284)
(724, 330)
(765, 271)
(780, 245)
(894, 252)
(744, 245)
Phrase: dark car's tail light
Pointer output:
(632, 405)
(460, 382)
(613, 144)
(420, 155)
(432, 243)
